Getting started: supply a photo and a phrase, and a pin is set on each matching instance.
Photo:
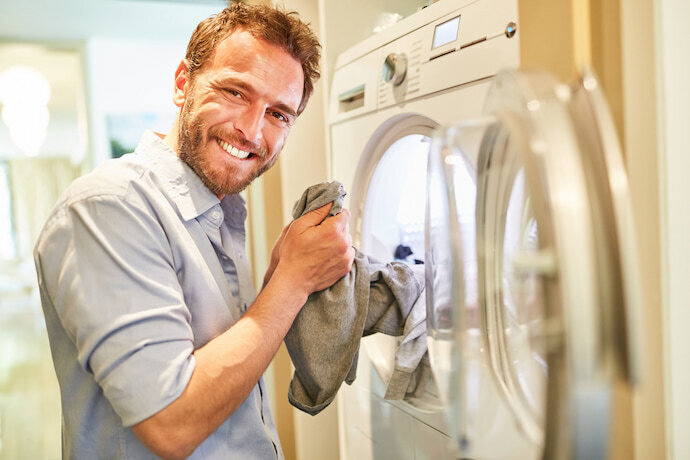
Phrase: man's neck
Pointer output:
(171, 138)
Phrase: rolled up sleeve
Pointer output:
(110, 273)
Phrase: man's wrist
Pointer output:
(288, 285)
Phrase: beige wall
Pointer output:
(640, 134)
(673, 106)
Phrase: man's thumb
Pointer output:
(315, 217)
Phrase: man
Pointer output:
(158, 342)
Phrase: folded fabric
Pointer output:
(323, 341)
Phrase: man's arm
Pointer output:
(308, 257)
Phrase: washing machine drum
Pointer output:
(391, 185)
(530, 267)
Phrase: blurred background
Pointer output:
(81, 79)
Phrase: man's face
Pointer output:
(238, 111)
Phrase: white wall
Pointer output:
(76, 20)
(130, 77)
(674, 113)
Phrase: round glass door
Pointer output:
(555, 271)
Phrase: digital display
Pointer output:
(446, 32)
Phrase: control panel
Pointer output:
(426, 54)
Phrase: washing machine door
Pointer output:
(545, 301)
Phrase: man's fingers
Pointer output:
(315, 217)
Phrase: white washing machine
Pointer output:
(519, 211)
(388, 95)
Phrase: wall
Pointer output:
(129, 78)
(642, 160)
(674, 137)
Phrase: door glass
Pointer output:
(451, 269)
(511, 291)
(457, 325)
(523, 301)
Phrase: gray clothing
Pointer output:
(412, 367)
(323, 341)
(139, 265)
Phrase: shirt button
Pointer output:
(215, 215)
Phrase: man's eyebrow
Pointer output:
(241, 84)
(244, 86)
(287, 109)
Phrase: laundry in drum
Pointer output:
(402, 254)
(324, 339)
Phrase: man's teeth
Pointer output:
(234, 151)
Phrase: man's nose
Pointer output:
(251, 122)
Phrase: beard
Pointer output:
(191, 142)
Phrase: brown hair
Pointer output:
(275, 26)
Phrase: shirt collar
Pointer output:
(190, 195)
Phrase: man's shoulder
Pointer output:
(104, 194)
(112, 181)
(112, 177)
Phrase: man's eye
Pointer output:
(279, 116)
(233, 92)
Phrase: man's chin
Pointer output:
(223, 187)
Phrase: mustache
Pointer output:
(240, 142)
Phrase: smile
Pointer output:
(234, 151)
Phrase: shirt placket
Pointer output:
(214, 229)
(232, 257)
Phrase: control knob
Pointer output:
(394, 68)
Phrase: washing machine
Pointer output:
(509, 187)
(388, 96)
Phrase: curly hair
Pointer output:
(280, 28)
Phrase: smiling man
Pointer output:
(158, 337)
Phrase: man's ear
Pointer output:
(182, 84)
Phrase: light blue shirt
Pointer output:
(139, 264)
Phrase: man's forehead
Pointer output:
(244, 40)
(241, 53)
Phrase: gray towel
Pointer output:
(323, 341)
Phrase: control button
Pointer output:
(394, 68)
(511, 28)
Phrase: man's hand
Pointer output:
(314, 251)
